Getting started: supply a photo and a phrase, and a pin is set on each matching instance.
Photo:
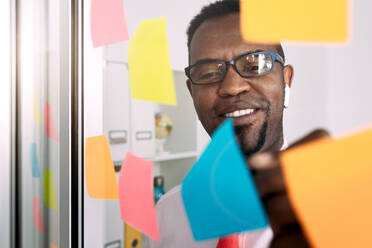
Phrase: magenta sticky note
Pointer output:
(49, 124)
(36, 215)
(108, 24)
(136, 195)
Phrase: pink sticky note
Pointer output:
(108, 23)
(50, 127)
(36, 215)
(136, 194)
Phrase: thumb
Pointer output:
(312, 136)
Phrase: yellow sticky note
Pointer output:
(100, 176)
(271, 21)
(132, 237)
(37, 112)
(329, 185)
(150, 73)
(49, 190)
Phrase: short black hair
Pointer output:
(218, 9)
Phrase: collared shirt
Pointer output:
(175, 229)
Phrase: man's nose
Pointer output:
(233, 84)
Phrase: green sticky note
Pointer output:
(49, 190)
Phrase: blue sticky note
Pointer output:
(34, 161)
(219, 194)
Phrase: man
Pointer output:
(248, 82)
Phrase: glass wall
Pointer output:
(43, 122)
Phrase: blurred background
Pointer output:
(55, 85)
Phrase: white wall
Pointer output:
(332, 85)
(308, 99)
(5, 124)
(349, 103)
(178, 13)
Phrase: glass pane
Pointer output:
(130, 125)
(5, 128)
(43, 122)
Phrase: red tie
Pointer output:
(231, 241)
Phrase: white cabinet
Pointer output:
(130, 123)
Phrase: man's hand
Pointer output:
(267, 172)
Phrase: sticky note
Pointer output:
(37, 217)
(231, 241)
(49, 190)
(272, 21)
(132, 237)
(49, 125)
(37, 111)
(107, 22)
(150, 73)
(100, 176)
(219, 194)
(34, 161)
(136, 191)
(329, 186)
(53, 246)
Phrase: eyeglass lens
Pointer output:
(247, 66)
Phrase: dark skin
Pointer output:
(260, 134)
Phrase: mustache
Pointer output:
(243, 101)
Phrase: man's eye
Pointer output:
(209, 75)
(250, 67)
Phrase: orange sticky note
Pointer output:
(49, 126)
(271, 21)
(36, 215)
(100, 176)
(136, 191)
(53, 246)
(108, 24)
(329, 185)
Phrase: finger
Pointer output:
(269, 181)
(280, 212)
(264, 160)
(314, 135)
(294, 237)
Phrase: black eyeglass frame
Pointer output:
(274, 57)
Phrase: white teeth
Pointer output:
(238, 113)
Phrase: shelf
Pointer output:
(162, 158)
(174, 156)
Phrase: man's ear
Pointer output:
(288, 72)
(188, 83)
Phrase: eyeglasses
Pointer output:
(247, 65)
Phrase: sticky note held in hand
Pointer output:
(272, 21)
(329, 186)
(219, 194)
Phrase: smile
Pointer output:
(239, 113)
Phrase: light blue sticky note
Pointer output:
(34, 161)
(219, 194)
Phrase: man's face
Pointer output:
(220, 38)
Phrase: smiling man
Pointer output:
(248, 82)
